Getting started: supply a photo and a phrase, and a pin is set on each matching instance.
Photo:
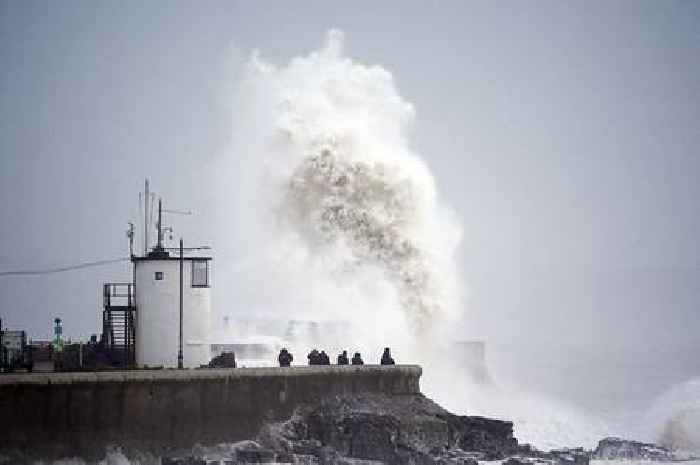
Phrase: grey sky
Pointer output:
(564, 134)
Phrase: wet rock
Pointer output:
(255, 456)
(457, 457)
(615, 448)
(571, 456)
(516, 461)
(492, 437)
(301, 459)
(183, 461)
(391, 430)
(252, 452)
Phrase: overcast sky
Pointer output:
(564, 134)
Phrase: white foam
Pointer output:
(347, 224)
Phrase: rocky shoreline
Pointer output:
(411, 430)
(378, 429)
(393, 430)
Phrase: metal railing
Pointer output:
(118, 294)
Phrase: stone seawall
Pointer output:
(64, 414)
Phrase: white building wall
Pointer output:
(158, 315)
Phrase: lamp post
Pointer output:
(179, 351)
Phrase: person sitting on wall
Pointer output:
(314, 357)
(285, 358)
(324, 358)
(357, 359)
(343, 358)
(386, 357)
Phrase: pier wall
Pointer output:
(64, 414)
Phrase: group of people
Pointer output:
(343, 359)
(315, 357)
(318, 358)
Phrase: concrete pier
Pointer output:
(64, 414)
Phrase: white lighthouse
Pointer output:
(167, 284)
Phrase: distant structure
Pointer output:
(258, 351)
(471, 356)
(57, 335)
(14, 351)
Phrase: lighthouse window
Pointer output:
(159, 275)
(200, 273)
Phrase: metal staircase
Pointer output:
(118, 324)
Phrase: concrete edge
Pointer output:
(130, 376)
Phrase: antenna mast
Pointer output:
(130, 235)
(160, 225)
(146, 197)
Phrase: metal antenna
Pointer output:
(146, 197)
(160, 224)
(175, 212)
(140, 215)
(151, 209)
(178, 212)
(130, 235)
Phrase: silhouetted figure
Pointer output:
(357, 359)
(386, 357)
(314, 357)
(343, 358)
(285, 358)
(325, 359)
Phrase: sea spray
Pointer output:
(348, 223)
(367, 210)
(673, 419)
(337, 219)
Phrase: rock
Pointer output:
(615, 448)
(298, 459)
(307, 447)
(255, 456)
(183, 461)
(457, 457)
(252, 452)
(351, 461)
(494, 438)
(391, 430)
(515, 461)
(571, 456)
(370, 430)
